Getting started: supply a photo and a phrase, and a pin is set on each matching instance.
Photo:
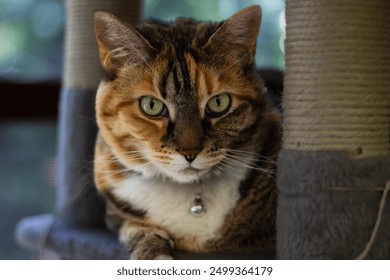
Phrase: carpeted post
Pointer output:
(335, 161)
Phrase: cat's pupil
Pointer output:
(218, 101)
(151, 104)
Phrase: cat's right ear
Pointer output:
(240, 30)
(119, 43)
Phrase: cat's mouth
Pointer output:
(181, 171)
(190, 170)
(187, 175)
(190, 174)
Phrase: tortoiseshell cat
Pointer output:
(187, 142)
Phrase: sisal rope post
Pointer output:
(337, 76)
(336, 147)
(82, 66)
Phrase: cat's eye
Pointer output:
(218, 105)
(152, 106)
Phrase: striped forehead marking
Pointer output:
(179, 90)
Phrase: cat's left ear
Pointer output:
(241, 29)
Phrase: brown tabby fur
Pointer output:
(184, 64)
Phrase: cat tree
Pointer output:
(74, 231)
(334, 168)
(335, 160)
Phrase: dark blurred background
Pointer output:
(31, 53)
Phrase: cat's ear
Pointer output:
(241, 29)
(119, 42)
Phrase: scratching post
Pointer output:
(82, 65)
(82, 74)
(335, 161)
(74, 232)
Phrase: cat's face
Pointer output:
(181, 101)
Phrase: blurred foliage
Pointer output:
(32, 31)
(31, 39)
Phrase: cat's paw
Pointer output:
(153, 247)
(163, 257)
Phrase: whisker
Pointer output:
(106, 163)
(239, 152)
(238, 160)
(83, 116)
(227, 165)
(249, 166)
(241, 158)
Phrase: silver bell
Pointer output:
(198, 208)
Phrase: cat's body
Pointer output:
(187, 142)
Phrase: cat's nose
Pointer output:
(190, 155)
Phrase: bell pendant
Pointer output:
(198, 208)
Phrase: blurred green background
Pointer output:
(31, 51)
(32, 31)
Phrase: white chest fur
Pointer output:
(168, 203)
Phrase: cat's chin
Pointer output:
(186, 176)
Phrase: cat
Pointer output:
(187, 144)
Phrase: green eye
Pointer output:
(218, 105)
(151, 106)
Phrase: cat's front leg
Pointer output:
(146, 243)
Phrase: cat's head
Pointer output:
(182, 99)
